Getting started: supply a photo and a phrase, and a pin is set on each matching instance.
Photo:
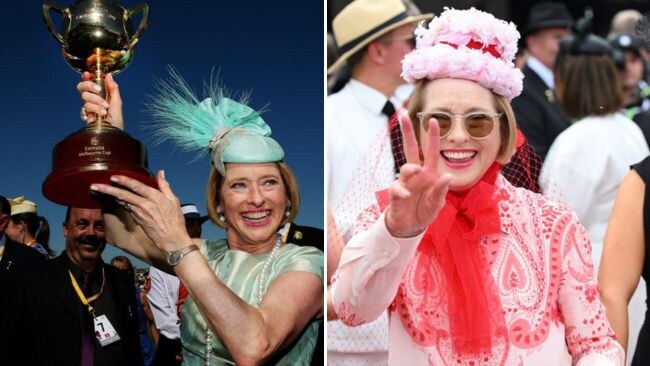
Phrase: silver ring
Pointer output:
(83, 115)
(127, 207)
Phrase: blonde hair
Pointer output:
(215, 182)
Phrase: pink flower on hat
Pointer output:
(466, 44)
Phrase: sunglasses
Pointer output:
(478, 125)
(410, 40)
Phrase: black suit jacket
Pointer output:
(306, 236)
(16, 256)
(41, 318)
(538, 113)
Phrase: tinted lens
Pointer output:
(444, 123)
(478, 125)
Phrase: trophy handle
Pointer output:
(47, 7)
(144, 8)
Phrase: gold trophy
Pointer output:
(96, 36)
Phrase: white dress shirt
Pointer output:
(542, 71)
(162, 297)
(355, 124)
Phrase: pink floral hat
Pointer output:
(466, 44)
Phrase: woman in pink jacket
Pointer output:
(473, 270)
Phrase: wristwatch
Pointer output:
(174, 257)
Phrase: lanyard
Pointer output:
(81, 295)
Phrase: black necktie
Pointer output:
(87, 327)
(396, 141)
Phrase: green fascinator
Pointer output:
(230, 130)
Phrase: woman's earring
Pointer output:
(222, 218)
(287, 212)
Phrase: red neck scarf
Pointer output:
(463, 282)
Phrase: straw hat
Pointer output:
(21, 205)
(363, 21)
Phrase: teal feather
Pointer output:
(191, 124)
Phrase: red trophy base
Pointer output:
(93, 155)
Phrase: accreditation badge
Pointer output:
(104, 331)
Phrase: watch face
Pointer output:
(174, 257)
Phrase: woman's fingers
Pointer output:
(86, 76)
(408, 171)
(166, 189)
(398, 191)
(135, 186)
(92, 108)
(411, 150)
(88, 86)
(113, 90)
(131, 191)
(431, 149)
(439, 191)
(115, 102)
(109, 108)
(122, 196)
(90, 97)
(94, 105)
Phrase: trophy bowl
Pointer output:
(89, 156)
(96, 36)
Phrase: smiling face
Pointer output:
(84, 237)
(466, 158)
(253, 201)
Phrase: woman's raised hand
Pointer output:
(418, 194)
(94, 104)
(158, 212)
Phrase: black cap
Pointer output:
(621, 43)
(625, 42)
(548, 14)
(589, 44)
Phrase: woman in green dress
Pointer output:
(254, 297)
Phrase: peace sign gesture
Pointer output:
(418, 194)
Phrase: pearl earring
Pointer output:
(222, 218)
(287, 212)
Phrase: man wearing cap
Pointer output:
(538, 112)
(73, 309)
(630, 62)
(164, 298)
(372, 37)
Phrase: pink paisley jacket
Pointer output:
(541, 267)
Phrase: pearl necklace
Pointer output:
(224, 268)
